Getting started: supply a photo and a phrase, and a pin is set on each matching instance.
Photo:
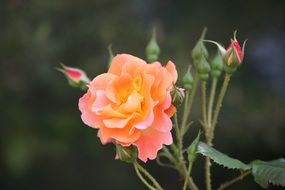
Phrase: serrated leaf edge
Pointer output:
(204, 146)
(254, 165)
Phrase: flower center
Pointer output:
(137, 83)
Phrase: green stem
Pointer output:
(204, 105)
(185, 112)
(188, 104)
(187, 109)
(211, 100)
(206, 129)
(236, 179)
(210, 107)
(142, 178)
(188, 174)
(219, 105)
(178, 159)
(208, 173)
(180, 166)
(139, 169)
(179, 137)
(170, 156)
(211, 129)
(190, 181)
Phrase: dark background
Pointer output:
(45, 145)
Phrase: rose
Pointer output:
(131, 104)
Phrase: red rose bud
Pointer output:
(75, 77)
(234, 55)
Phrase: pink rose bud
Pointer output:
(75, 77)
(234, 53)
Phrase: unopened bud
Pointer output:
(127, 154)
(111, 55)
(200, 50)
(152, 48)
(177, 95)
(234, 55)
(217, 65)
(187, 80)
(230, 70)
(203, 69)
(192, 149)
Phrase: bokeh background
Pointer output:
(45, 145)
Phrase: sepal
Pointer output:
(127, 154)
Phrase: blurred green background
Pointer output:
(45, 145)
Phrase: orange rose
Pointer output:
(131, 104)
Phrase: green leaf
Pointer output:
(221, 158)
(269, 172)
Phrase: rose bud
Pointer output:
(192, 149)
(234, 54)
(111, 55)
(217, 65)
(200, 50)
(203, 69)
(187, 80)
(75, 77)
(127, 154)
(177, 95)
(152, 48)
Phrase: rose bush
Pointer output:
(131, 104)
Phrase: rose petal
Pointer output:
(172, 70)
(119, 134)
(162, 122)
(108, 111)
(120, 60)
(132, 104)
(100, 100)
(238, 50)
(117, 122)
(88, 117)
(101, 81)
(146, 122)
(150, 142)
